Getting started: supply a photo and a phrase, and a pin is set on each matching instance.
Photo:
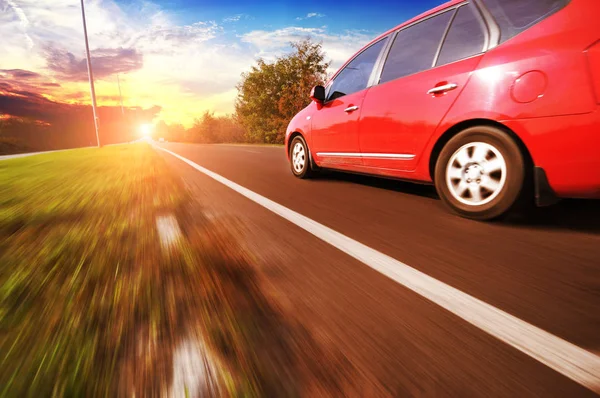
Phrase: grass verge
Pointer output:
(81, 274)
(92, 305)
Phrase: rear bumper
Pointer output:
(567, 148)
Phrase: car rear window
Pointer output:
(464, 39)
(514, 16)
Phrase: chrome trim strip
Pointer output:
(404, 156)
(399, 156)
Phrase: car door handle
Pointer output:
(351, 109)
(443, 89)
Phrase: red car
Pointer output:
(493, 101)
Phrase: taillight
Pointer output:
(593, 57)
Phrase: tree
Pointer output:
(176, 132)
(204, 129)
(272, 93)
(215, 129)
(160, 130)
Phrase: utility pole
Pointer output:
(120, 95)
(90, 74)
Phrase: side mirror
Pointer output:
(317, 94)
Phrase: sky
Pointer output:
(178, 57)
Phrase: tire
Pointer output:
(300, 158)
(480, 173)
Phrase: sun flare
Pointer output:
(146, 129)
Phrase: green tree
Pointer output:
(272, 93)
(204, 129)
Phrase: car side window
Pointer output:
(515, 16)
(464, 39)
(414, 48)
(355, 76)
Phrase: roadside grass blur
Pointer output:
(92, 305)
(78, 264)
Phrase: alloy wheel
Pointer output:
(476, 173)
(298, 157)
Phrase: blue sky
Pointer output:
(351, 14)
(180, 56)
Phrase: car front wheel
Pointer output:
(300, 158)
(480, 173)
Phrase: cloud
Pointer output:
(234, 18)
(27, 104)
(337, 47)
(33, 106)
(25, 80)
(184, 68)
(161, 38)
(311, 15)
(20, 73)
(24, 21)
(105, 62)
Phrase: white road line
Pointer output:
(194, 371)
(566, 358)
(26, 154)
(23, 155)
(168, 230)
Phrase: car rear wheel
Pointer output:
(300, 158)
(480, 173)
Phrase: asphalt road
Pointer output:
(543, 268)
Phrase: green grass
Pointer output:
(82, 277)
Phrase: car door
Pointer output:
(427, 66)
(335, 123)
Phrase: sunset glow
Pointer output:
(175, 58)
(146, 129)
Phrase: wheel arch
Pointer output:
(313, 164)
(292, 136)
(458, 127)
